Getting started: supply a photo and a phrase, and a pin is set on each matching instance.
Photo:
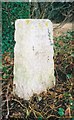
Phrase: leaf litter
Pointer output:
(54, 104)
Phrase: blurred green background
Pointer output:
(10, 12)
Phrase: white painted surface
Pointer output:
(33, 57)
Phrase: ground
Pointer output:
(55, 104)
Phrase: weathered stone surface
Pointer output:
(33, 57)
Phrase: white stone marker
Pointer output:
(33, 57)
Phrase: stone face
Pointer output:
(33, 57)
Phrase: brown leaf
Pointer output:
(68, 112)
(61, 42)
(60, 96)
(0, 78)
(52, 106)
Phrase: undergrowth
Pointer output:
(58, 102)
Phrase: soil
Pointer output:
(59, 29)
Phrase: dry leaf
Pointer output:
(52, 106)
(68, 112)
(60, 96)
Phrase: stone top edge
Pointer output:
(18, 20)
(39, 20)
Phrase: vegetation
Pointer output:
(58, 102)
(55, 11)
(10, 12)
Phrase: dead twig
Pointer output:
(7, 99)
(36, 112)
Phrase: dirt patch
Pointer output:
(59, 29)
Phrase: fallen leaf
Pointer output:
(60, 96)
(52, 106)
(68, 112)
